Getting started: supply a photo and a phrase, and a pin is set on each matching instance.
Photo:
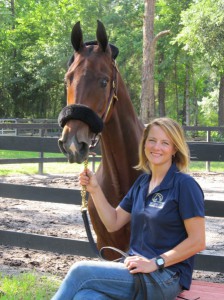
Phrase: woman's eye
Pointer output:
(151, 141)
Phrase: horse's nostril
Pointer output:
(61, 147)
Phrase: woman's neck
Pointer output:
(158, 173)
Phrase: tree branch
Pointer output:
(159, 35)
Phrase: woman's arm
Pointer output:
(112, 218)
(194, 243)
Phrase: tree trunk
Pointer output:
(161, 98)
(13, 21)
(195, 100)
(176, 90)
(147, 111)
(147, 96)
(221, 101)
(187, 97)
(161, 90)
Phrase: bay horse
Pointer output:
(98, 101)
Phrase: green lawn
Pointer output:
(63, 168)
(200, 166)
(27, 286)
(33, 168)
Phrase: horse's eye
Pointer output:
(104, 82)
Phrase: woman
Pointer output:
(166, 210)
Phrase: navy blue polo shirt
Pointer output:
(157, 219)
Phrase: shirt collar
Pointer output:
(167, 181)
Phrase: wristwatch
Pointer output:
(160, 262)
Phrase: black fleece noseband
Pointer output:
(82, 113)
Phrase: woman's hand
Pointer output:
(112, 218)
(88, 179)
(140, 264)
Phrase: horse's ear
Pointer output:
(101, 35)
(77, 37)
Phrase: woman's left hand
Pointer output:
(139, 264)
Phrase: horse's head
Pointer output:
(91, 91)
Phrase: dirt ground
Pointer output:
(65, 221)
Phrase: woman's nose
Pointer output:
(157, 145)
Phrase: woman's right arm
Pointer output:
(112, 218)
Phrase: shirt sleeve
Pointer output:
(191, 199)
(127, 202)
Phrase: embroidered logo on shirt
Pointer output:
(157, 201)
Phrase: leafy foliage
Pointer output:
(35, 47)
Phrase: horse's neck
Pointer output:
(120, 142)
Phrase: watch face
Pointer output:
(160, 261)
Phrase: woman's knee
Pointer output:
(80, 269)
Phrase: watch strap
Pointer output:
(160, 262)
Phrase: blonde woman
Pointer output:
(166, 209)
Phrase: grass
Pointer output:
(27, 286)
(67, 168)
(33, 168)
(200, 166)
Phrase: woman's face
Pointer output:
(159, 148)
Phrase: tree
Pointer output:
(203, 33)
(149, 48)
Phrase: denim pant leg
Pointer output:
(97, 277)
(85, 294)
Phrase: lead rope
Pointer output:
(85, 216)
(83, 190)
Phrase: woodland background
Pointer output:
(188, 65)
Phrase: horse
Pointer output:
(98, 104)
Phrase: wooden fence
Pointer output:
(200, 151)
(10, 129)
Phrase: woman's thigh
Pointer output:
(108, 279)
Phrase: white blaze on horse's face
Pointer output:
(72, 147)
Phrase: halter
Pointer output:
(87, 115)
(96, 139)
(111, 100)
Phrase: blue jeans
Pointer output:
(94, 280)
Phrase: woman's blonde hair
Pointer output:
(176, 134)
